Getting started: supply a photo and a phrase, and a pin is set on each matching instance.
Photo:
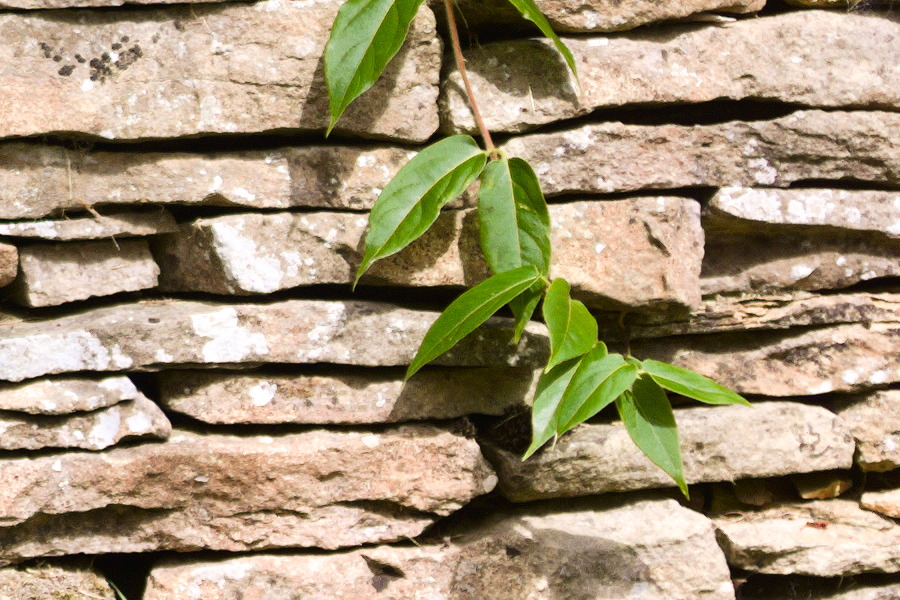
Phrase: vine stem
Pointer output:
(461, 65)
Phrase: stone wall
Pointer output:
(187, 374)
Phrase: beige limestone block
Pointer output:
(886, 502)
(62, 396)
(9, 264)
(153, 334)
(52, 274)
(109, 225)
(647, 550)
(823, 538)
(792, 57)
(50, 582)
(874, 420)
(203, 69)
(856, 146)
(600, 458)
(345, 397)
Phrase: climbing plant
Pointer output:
(581, 377)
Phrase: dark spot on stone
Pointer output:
(66, 70)
(95, 76)
(153, 320)
(155, 38)
(80, 58)
(105, 57)
(116, 46)
(125, 39)
(178, 25)
(136, 50)
(513, 552)
(57, 58)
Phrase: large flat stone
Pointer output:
(151, 334)
(824, 538)
(49, 582)
(874, 420)
(600, 458)
(855, 146)
(109, 225)
(66, 395)
(95, 430)
(345, 397)
(800, 362)
(52, 274)
(791, 57)
(319, 488)
(206, 69)
(9, 264)
(647, 550)
(595, 245)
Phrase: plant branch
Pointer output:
(461, 65)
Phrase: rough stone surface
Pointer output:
(652, 549)
(9, 264)
(52, 274)
(874, 420)
(320, 488)
(791, 57)
(823, 538)
(156, 333)
(843, 358)
(341, 397)
(580, 16)
(599, 458)
(92, 431)
(887, 502)
(749, 209)
(52, 583)
(203, 69)
(856, 146)
(108, 225)
(65, 396)
(261, 253)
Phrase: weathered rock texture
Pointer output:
(109, 225)
(824, 538)
(874, 420)
(232, 68)
(595, 247)
(599, 458)
(53, 583)
(9, 264)
(791, 57)
(51, 274)
(886, 503)
(157, 333)
(345, 397)
(321, 488)
(664, 552)
(92, 431)
(613, 157)
(64, 396)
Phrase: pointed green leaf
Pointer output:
(365, 36)
(523, 307)
(470, 310)
(690, 384)
(648, 418)
(550, 389)
(530, 11)
(412, 201)
(599, 380)
(515, 223)
(573, 330)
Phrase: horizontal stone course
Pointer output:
(68, 395)
(115, 224)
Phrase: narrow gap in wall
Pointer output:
(845, 184)
(128, 572)
(757, 586)
(700, 193)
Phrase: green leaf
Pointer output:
(550, 389)
(412, 201)
(531, 12)
(599, 380)
(573, 330)
(648, 418)
(515, 223)
(470, 310)
(690, 384)
(365, 36)
(523, 307)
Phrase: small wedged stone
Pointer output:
(823, 538)
(874, 420)
(152, 334)
(843, 358)
(53, 274)
(345, 397)
(62, 396)
(811, 144)
(203, 69)
(647, 550)
(595, 247)
(95, 430)
(108, 225)
(320, 488)
(790, 57)
(48, 582)
(9, 264)
(600, 458)
(886, 502)
(823, 485)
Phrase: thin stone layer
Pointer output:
(62, 396)
(886, 502)
(112, 224)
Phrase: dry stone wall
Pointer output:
(193, 404)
